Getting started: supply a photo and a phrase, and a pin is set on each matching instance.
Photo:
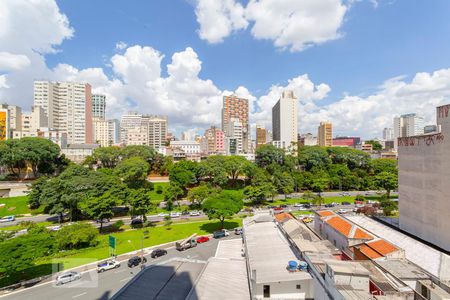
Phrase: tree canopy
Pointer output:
(222, 206)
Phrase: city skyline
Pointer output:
(146, 72)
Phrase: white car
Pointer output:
(163, 215)
(67, 277)
(342, 211)
(7, 219)
(107, 265)
(194, 213)
(298, 205)
(175, 214)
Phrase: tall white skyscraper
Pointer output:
(284, 120)
(388, 134)
(68, 107)
(407, 125)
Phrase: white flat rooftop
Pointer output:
(269, 252)
(428, 258)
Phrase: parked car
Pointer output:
(67, 277)
(307, 219)
(329, 205)
(202, 239)
(358, 202)
(194, 213)
(107, 265)
(271, 206)
(135, 261)
(7, 219)
(238, 231)
(220, 233)
(105, 220)
(342, 211)
(54, 227)
(185, 213)
(163, 215)
(283, 205)
(157, 253)
(298, 205)
(345, 203)
(136, 222)
(307, 206)
(175, 214)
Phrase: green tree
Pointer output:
(108, 157)
(133, 172)
(39, 152)
(222, 206)
(12, 156)
(269, 154)
(140, 203)
(200, 193)
(384, 165)
(99, 208)
(257, 194)
(386, 181)
(313, 157)
(173, 193)
(284, 183)
(234, 166)
(183, 173)
(168, 222)
(145, 152)
(375, 145)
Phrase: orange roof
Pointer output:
(283, 216)
(369, 252)
(359, 234)
(345, 228)
(382, 246)
(340, 225)
(326, 213)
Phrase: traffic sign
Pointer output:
(112, 242)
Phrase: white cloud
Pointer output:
(218, 19)
(121, 45)
(290, 24)
(9, 61)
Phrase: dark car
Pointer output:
(157, 253)
(329, 205)
(270, 206)
(185, 213)
(135, 261)
(136, 223)
(345, 203)
(307, 205)
(283, 205)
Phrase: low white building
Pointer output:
(268, 254)
(78, 152)
(189, 147)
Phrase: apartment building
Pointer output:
(325, 134)
(138, 129)
(98, 106)
(284, 121)
(261, 136)
(68, 107)
(235, 108)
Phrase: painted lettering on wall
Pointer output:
(443, 111)
(421, 140)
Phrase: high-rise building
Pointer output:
(114, 131)
(423, 164)
(430, 129)
(98, 106)
(388, 134)
(140, 129)
(15, 116)
(307, 139)
(261, 136)
(325, 134)
(236, 108)
(284, 120)
(407, 125)
(68, 107)
(213, 141)
(234, 142)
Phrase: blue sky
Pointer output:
(375, 43)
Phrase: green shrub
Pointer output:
(117, 225)
(76, 236)
(159, 189)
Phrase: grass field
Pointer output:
(19, 227)
(154, 196)
(301, 212)
(17, 206)
(337, 199)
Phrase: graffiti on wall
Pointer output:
(443, 111)
(421, 140)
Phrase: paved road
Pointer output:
(104, 285)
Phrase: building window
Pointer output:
(298, 287)
(266, 291)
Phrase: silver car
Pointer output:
(67, 277)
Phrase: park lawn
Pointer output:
(130, 240)
(301, 212)
(17, 206)
(154, 196)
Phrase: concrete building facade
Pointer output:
(424, 176)
(261, 136)
(236, 108)
(388, 134)
(284, 120)
(138, 129)
(325, 134)
(68, 107)
(407, 125)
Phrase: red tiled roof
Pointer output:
(325, 213)
(283, 217)
(369, 252)
(382, 247)
(359, 234)
(340, 225)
